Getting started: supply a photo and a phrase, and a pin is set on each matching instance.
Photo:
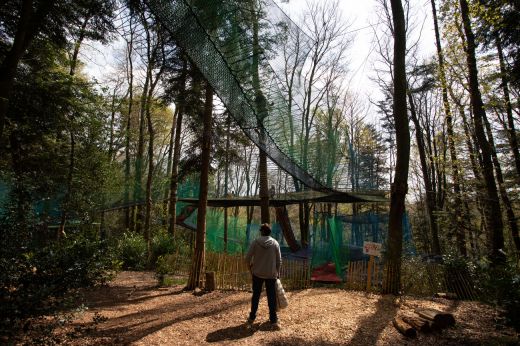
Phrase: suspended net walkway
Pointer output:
(244, 50)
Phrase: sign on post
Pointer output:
(372, 249)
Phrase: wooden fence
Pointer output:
(363, 276)
(231, 272)
(428, 279)
(295, 274)
(417, 278)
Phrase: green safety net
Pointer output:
(339, 250)
(240, 47)
(328, 246)
(240, 233)
(336, 241)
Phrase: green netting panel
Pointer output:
(321, 244)
(247, 50)
(339, 240)
(340, 252)
(236, 237)
(189, 188)
(408, 244)
(366, 227)
(374, 228)
(240, 234)
(217, 36)
(277, 233)
(42, 206)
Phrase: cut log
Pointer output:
(440, 319)
(420, 324)
(448, 295)
(404, 328)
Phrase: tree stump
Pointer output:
(210, 282)
(404, 328)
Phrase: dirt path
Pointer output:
(133, 310)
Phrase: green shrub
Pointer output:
(500, 286)
(162, 268)
(182, 247)
(162, 244)
(34, 281)
(166, 263)
(132, 251)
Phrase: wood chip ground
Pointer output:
(132, 310)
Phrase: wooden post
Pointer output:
(369, 272)
(210, 281)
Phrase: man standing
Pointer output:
(264, 260)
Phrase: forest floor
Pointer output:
(133, 310)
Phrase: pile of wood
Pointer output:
(424, 321)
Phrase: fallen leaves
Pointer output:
(319, 316)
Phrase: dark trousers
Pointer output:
(270, 289)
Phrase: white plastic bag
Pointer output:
(281, 298)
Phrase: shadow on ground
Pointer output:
(231, 333)
(295, 341)
(134, 326)
(370, 327)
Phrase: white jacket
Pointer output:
(264, 257)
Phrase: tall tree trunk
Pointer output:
(513, 142)
(301, 221)
(151, 137)
(511, 218)
(77, 45)
(174, 181)
(476, 173)
(112, 121)
(200, 243)
(264, 189)
(459, 231)
(248, 167)
(492, 207)
(475, 166)
(153, 50)
(138, 178)
(129, 214)
(399, 188)
(262, 112)
(430, 193)
(169, 167)
(226, 180)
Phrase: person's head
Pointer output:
(265, 229)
